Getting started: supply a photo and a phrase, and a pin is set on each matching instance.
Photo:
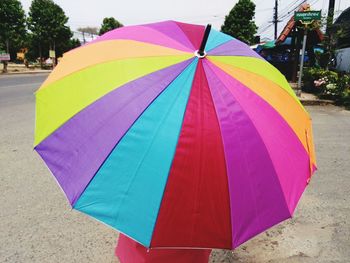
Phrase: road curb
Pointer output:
(26, 73)
(316, 102)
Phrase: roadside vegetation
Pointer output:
(28, 38)
(328, 84)
(323, 79)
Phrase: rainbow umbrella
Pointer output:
(175, 135)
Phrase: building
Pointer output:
(343, 41)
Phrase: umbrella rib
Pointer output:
(129, 127)
(246, 165)
(71, 114)
(267, 149)
(147, 42)
(212, 60)
(223, 147)
(44, 86)
(213, 48)
(189, 48)
(165, 185)
(148, 149)
(280, 111)
(183, 32)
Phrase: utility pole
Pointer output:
(305, 17)
(328, 46)
(330, 15)
(275, 17)
(302, 61)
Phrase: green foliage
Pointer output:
(108, 24)
(12, 26)
(312, 74)
(317, 79)
(328, 84)
(34, 52)
(47, 25)
(239, 22)
(47, 22)
(74, 43)
(336, 37)
(343, 86)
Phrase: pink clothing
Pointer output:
(129, 251)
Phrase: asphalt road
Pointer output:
(19, 89)
(37, 224)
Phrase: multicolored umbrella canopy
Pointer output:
(171, 148)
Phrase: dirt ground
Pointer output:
(37, 224)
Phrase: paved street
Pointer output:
(37, 224)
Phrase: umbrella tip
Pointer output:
(201, 52)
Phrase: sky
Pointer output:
(83, 13)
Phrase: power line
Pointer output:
(265, 9)
(287, 7)
(291, 6)
(291, 11)
(286, 12)
(314, 2)
(265, 29)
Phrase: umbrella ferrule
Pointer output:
(201, 53)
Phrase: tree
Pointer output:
(12, 27)
(74, 43)
(47, 22)
(108, 24)
(337, 36)
(239, 22)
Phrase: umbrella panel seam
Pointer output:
(254, 125)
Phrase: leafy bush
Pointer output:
(328, 84)
(344, 90)
(321, 76)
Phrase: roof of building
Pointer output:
(343, 22)
(343, 17)
(291, 23)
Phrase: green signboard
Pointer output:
(307, 16)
